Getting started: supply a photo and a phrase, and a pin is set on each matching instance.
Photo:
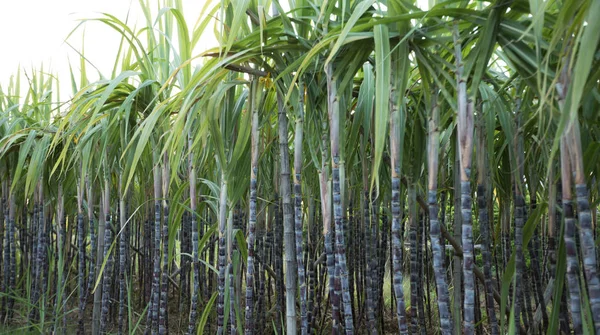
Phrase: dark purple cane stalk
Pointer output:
(397, 252)
(569, 237)
(446, 323)
(250, 268)
(108, 256)
(195, 237)
(122, 258)
(334, 129)
(465, 139)
(156, 270)
(81, 264)
(222, 257)
(298, 135)
(163, 321)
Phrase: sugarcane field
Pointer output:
(300, 167)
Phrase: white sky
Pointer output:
(33, 32)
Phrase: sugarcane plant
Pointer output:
(312, 171)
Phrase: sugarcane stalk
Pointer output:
(12, 264)
(569, 237)
(370, 310)
(420, 275)
(586, 232)
(6, 258)
(60, 299)
(298, 135)
(446, 322)
(311, 267)
(519, 214)
(81, 264)
(107, 274)
(334, 129)
(277, 259)
(537, 270)
(485, 229)
(93, 238)
(250, 268)
(381, 260)
(567, 167)
(163, 322)
(465, 139)
(260, 304)
(43, 261)
(3, 244)
(184, 273)
(288, 223)
(122, 258)
(414, 266)
(157, 239)
(97, 311)
(222, 256)
(195, 237)
(396, 214)
(232, 302)
(36, 245)
(325, 189)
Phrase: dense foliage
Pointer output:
(345, 166)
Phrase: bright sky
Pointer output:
(33, 32)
